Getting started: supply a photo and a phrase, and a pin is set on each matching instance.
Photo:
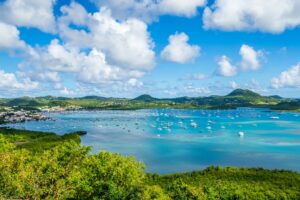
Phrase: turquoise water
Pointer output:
(170, 140)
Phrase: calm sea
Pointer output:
(169, 140)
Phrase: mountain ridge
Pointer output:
(236, 98)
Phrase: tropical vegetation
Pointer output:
(38, 165)
(237, 98)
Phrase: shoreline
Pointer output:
(6, 131)
(49, 164)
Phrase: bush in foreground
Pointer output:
(70, 171)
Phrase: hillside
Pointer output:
(237, 98)
(61, 168)
(243, 93)
(144, 97)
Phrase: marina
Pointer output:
(170, 140)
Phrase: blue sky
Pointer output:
(165, 48)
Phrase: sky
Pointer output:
(165, 48)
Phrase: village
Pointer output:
(11, 115)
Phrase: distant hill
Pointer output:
(293, 104)
(93, 97)
(243, 93)
(235, 99)
(145, 97)
(23, 101)
(276, 97)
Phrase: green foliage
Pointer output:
(67, 170)
(243, 93)
(288, 105)
(181, 191)
(37, 141)
(154, 192)
(231, 183)
(237, 98)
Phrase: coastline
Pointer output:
(54, 160)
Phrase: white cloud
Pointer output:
(8, 81)
(250, 58)
(74, 12)
(234, 85)
(89, 67)
(288, 79)
(49, 76)
(40, 75)
(133, 82)
(150, 10)
(255, 85)
(273, 16)
(225, 68)
(29, 13)
(178, 50)
(125, 43)
(66, 91)
(55, 57)
(94, 49)
(196, 76)
(95, 70)
(194, 90)
(180, 7)
(10, 37)
(144, 9)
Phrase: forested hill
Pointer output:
(237, 98)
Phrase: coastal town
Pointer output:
(11, 115)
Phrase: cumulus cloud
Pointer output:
(250, 58)
(89, 67)
(178, 50)
(288, 79)
(95, 69)
(74, 13)
(133, 82)
(29, 13)
(273, 16)
(225, 68)
(95, 49)
(40, 75)
(149, 10)
(180, 7)
(10, 37)
(125, 43)
(9, 81)
(55, 57)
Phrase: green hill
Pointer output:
(243, 93)
(145, 97)
(93, 97)
(237, 98)
(24, 101)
